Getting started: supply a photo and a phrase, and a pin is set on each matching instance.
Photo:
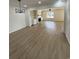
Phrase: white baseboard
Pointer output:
(67, 38)
(16, 30)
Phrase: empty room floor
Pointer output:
(45, 40)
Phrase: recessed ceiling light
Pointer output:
(39, 2)
(25, 6)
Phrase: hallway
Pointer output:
(45, 40)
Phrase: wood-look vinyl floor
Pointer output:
(45, 40)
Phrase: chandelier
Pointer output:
(20, 10)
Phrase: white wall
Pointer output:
(29, 16)
(17, 21)
(67, 20)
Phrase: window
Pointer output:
(50, 14)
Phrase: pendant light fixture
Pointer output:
(20, 9)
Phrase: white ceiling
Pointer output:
(32, 3)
